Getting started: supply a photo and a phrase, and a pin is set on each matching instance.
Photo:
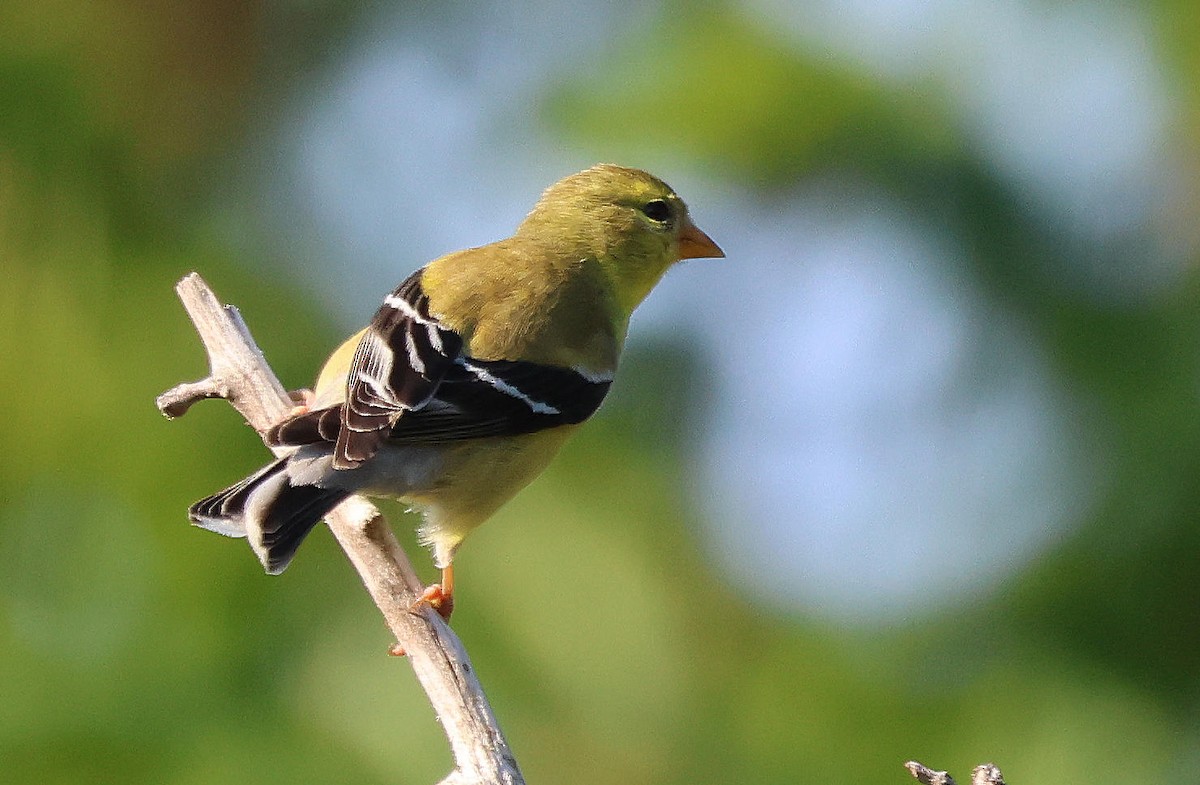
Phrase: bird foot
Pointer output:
(437, 598)
(303, 400)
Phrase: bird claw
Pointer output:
(303, 400)
(437, 598)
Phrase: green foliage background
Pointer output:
(133, 649)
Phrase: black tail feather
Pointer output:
(267, 509)
(288, 519)
(223, 512)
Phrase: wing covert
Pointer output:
(410, 383)
(400, 361)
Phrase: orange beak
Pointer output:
(695, 244)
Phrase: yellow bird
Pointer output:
(472, 374)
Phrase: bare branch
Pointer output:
(927, 776)
(240, 374)
(986, 774)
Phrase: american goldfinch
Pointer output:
(472, 374)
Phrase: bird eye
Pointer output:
(657, 210)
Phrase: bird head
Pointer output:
(633, 224)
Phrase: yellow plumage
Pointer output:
(475, 370)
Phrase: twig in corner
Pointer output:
(985, 774)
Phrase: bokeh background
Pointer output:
(914, 472)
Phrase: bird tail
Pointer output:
(269, 511)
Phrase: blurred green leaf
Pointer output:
(138, 649)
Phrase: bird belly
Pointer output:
(477, 479)
(455, 486)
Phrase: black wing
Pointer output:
(401, 360)
(410, 383)
(502, 398)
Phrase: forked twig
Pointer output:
(985, 774)
(240, 374)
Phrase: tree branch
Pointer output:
(240, 374)
(985, 774)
